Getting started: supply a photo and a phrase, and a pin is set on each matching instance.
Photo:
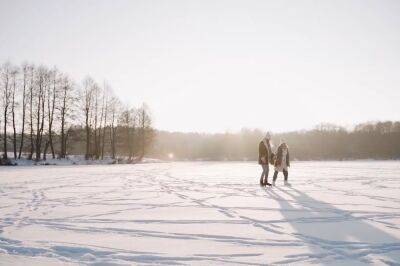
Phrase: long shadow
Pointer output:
(332, 234)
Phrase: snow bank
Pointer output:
(80, 160)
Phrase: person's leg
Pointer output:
(275, 176)
(262, 175)
(266, 173)
(285, 174)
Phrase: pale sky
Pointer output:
(213, 66)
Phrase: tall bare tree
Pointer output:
(88, 93)
(66, 106)
(145, 130)
(31, 112)
(105, 110)
(25, 70)
(125, 121)
(42, 79)
(14, 74)
(114, 113)
(133, 132)
(96, 120)
(6, 101)
(102, 109)
(51, 91)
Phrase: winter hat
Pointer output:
(283, 144)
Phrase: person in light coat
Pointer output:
(282, 163)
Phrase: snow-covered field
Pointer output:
(77, 160)
(200, 213)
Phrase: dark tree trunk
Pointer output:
(40, 120)
(133, 141)
(52, 102)
(6, 96)
(128, 138)
(63, 113)
(5, 133)
(87, 155)
(46, 147)
(103, 141)
(23, 116)
(31, 120)
(13, 118)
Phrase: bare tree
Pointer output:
(6, 100)
(133, 132)
(96, 121)
(102, 111)
(105, 110)
(114, 110)
(125, 121)
(88, 91)
(42, 76)
(31, 103)
(65, 111)
(14, 73)
(25, 69)
(51, 92)
(145, 130)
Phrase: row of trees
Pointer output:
(379, 140)
(41, 108)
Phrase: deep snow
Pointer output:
(200, 213)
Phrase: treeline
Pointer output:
(380, 140)
(46, 113)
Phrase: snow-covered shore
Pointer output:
(212, 213)
(79, 160)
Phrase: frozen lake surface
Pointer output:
(200, 213)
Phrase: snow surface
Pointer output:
(200, 213)
(78, 160)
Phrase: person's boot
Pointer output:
(287, 183)
(274, 183)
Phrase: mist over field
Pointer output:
(326, 142)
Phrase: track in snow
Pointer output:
(200, 213)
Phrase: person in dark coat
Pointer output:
(264, 153)
(282, 162)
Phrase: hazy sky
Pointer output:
(213, 66)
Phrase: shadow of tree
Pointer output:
(333, 234)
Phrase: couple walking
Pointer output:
(280, 160)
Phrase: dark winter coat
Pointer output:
(263, 151)
(279, 155)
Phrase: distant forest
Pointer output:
(45, 114)
(379, 140)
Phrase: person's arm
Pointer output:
(261, 152)
(288, 159)
(269, 147)
(270, 152)
(279, 154)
